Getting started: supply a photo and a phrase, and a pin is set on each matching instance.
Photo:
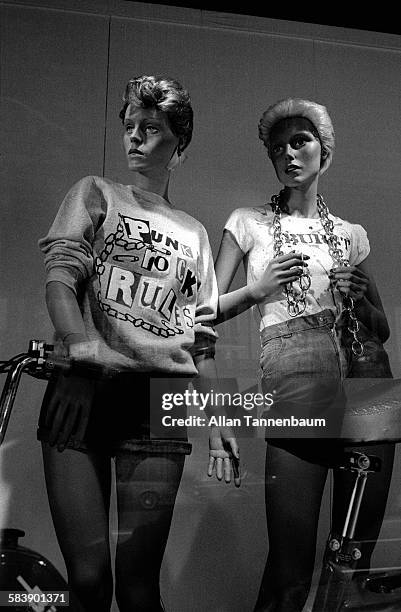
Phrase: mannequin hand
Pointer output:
(280, 271)
(69, 409)
(223, 452)
(350, 281)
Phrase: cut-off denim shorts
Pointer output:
(119, 420)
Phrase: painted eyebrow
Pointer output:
(295, 135)
(302, 133)
(152, 121)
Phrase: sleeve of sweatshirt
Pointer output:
(207, 300)
(68, 245)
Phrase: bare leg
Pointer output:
(293, 499)
(78, 488)
(147, 485)
(294, 489)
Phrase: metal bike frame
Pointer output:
(10, 391)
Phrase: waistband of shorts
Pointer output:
(154, 445)
(325, 318)
(131, 445)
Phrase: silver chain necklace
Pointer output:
(296, 296)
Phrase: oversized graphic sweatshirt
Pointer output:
(142, 272)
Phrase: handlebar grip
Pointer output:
(89, 369)
(55, 364)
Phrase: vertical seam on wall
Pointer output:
(107, 96)
(314, 67)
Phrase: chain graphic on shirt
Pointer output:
(117, 239)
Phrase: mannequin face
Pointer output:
(148, 140)
(295, 152)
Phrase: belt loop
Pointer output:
(288, 334)
(288, 324)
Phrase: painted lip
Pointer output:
(291, 168)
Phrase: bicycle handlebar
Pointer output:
(38, 363)
(70, 366)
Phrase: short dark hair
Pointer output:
(165, 95)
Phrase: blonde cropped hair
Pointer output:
(297, 107)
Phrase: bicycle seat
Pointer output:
(373, 411)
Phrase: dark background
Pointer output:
(368, 17)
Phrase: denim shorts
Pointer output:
(304, 361)
(303, 347)
(303, 366)
(119, 419)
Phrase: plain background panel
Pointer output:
(363, 183)
(61, 94)
(53, 87)
(53, 116)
